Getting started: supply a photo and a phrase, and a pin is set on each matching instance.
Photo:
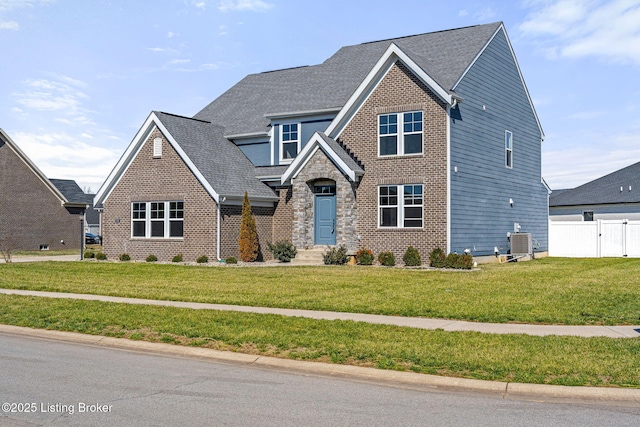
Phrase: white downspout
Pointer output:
(218, 233)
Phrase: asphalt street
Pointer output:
(49, 382)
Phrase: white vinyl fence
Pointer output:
(594, 239)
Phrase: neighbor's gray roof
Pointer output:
(71, 191)
(220, 161)
(443, 55)
(605, 190)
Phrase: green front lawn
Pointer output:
(550, 290)
(512, 358)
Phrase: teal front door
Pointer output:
(325, 219)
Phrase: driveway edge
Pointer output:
(406, 379)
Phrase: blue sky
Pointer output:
(78, 78)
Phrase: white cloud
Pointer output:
(9, 25)
(244, 6)
(580, 28)
(48, 95)
(595, 157)
(61, 155)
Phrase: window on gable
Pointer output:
(508, 149)
(289, 141)
(400, 206)
(157, 219)
(157, 147)
(400, 133)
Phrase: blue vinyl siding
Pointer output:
(481, 215)
(308, 126)
(258, 153)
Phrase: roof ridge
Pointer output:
(182, 117)
(430, 32)
(285, 69)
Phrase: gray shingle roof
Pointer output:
(444, 55)
(221, 162)
(605, 190)
(341, 152)
(71, 191)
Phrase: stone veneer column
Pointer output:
(319, 168)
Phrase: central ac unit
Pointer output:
(521, 243)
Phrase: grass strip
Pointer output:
(546, 291)
(514, 358)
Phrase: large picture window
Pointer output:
(157, 220)
(400, 133)
(289, 141)
(400, 206)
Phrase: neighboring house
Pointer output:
(611, 197)
(429, 140)
(35, 212)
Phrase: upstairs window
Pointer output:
(400, 134)
(587, 216)
(508, 149)
(157, 220)
(289, 141)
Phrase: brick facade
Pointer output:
(401, 91)
(31, 215)
(230, 232)
(159, 179)
(283, 216)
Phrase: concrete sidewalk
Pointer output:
(36, 258)
(413, 322)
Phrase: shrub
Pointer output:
(202, 259)
(177, 258)
(437, 258)
(152, 258)
(336, 256)
(101, 256)
(411, 257)
(283, 251)
(364, 257)
(248, 241)
(89, 254)
(452, 260)
(387, 259)
(231, 260)
(466, 262)
(124, 257)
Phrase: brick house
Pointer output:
(37, 213)
(429, 140)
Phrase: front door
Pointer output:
(325, 219)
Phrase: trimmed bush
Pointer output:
(101, 256)
(283, 251)
(336, 256)
(437, 258)
(452, 260)
(152, 258)
(388, 259)
(202, 259)
(466, 262)
(411, 257)
(124, 257)
(89, 254)
(231, 260)
(364, 257)
(177, 258)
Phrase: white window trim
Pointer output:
(400, 206)
(400, 135)
(282, 160)
(508, 151)
(167, 221)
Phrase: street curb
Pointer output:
(387, 377)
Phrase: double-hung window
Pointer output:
(400, 206)
(158, 220)
(508, 149)
(400, 133)
(289, 141)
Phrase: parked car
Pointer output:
(91, 239)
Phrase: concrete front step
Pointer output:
(309, 256)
